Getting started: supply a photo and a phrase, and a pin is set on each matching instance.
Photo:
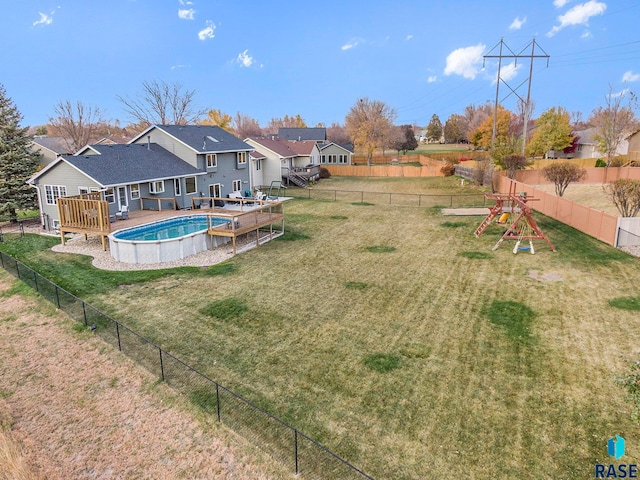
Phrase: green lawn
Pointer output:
(401, 342)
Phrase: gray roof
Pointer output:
(131, 163)
(206, 138)
(317, 133)
(55, 144)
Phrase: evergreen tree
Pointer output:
(434, 129)
(17, 162)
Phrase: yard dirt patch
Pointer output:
(76, 408)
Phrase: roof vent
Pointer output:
(212, 139)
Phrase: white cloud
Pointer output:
(177, 67)
(185, 2)
(432, 79)
(186, 13)
(517, 23)
(44, 19)
(578, 15)
(586, 34)
(465, 61)
(244, 59)
(208, 31)
(560, 3)
(351, 44)
(509, 72)
(631, 77)
(409, 37)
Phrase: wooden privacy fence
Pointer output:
(384, 170)
(586, 219)
(594, 175)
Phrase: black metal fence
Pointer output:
(627, 239)
(306, 457)
(389, 198)
(11, 228)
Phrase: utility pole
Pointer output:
(511, 54)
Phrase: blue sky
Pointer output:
(316, 59)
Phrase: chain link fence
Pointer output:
(307, 458)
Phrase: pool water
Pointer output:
(168, 229)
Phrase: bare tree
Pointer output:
(164, 104)
(614, 120)
(76, 123)
(337, 133)
(562, 174)
(245, 126)
(625, 194)
(369, 123)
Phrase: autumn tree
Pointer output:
(368, 124)
(482, 136)
(475, 116)
(162, 103)
(614, 120)
(218, 118)
(625, 194)
(553, 132)
(17, 161)
(404, 139)
(455, 129)
(561, 174)
(245, 126)
(434, 129)
(276, 124)
(77, 123)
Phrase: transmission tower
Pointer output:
(501, 46)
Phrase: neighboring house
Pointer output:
(50, 148)
(176, 163)
(289, 161)
(334, 154)
(588, 147)
(317, 134)
(634, 148)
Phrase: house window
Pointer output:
(54, 192)
(135, 191)
(258, 164)
(156, 187)
(242, 158)
(342, 159)
(190, 185)
(212, 160)
(83, 190)
(237, 185)
(176, 187)
(110, 195)
(323, 159)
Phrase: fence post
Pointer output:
(84, 314)
(118, 335)
(18, 270)
(161, 364)
(57, 296)
(295, 443)
(1, 255)
(218, 400)
(21, 229)
(35, 279)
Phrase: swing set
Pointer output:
(522, 227)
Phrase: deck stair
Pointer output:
(298, 179)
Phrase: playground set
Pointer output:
(521, 227)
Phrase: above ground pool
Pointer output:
(166, 240)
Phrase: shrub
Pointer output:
(324, 172)
(448, 169)
(600, 163)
